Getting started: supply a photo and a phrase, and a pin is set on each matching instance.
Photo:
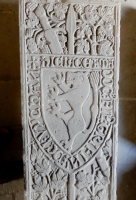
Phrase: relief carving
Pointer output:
(75, 29)
(72, 93)
(71, 89)
(73, 105)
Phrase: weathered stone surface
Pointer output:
(12, 187)
(10, 103)
(127, 82)
(9, 41)
(6, 197)
(12, 190)
(70, 69)
(19, 196)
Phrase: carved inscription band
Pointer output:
(69, 72)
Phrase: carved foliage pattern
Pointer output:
(49, 182)
(91, 30)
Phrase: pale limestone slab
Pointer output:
(70, 71)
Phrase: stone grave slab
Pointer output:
(69, 77)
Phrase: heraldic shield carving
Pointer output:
(70, 69)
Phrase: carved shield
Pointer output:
(69, 106)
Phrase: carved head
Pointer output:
(75, 79)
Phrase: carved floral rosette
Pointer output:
(70, 54)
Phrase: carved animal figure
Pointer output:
(76, 96)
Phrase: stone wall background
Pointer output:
(11, 153)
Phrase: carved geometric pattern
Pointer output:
(70, 67)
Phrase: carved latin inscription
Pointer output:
(70, 56)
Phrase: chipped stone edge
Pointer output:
(116, 78)
(23, 98)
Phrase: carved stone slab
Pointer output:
(70, 69)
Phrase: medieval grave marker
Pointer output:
(70, 71)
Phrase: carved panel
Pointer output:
(70, 66)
